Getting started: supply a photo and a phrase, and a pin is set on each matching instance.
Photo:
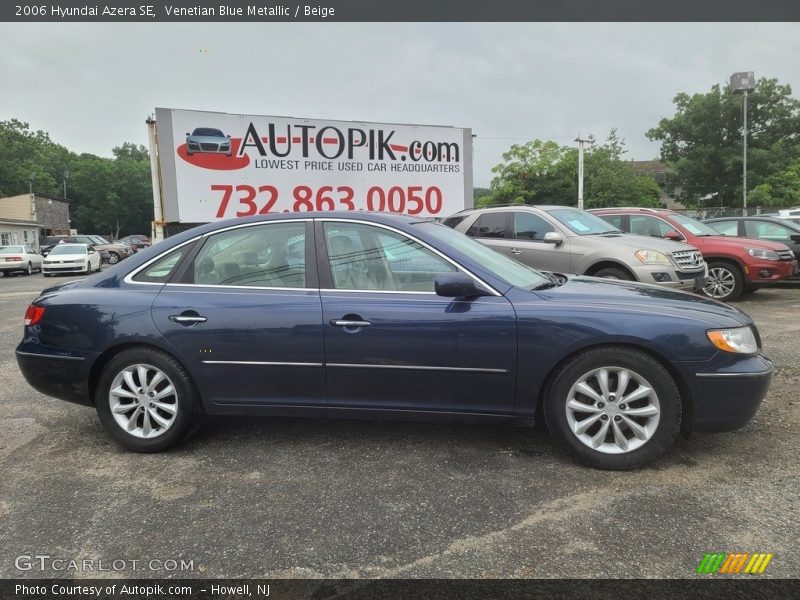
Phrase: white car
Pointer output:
(19, 258)
(71, 258)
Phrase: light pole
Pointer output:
(66, 176)
(581, 142)
(30, 184)
(743, 83)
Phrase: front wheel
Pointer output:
(113, 258)
(614, 408)
(724, 282)
(146, 400)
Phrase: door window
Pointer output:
(768, 231)
(646, 225)
(528, 226)
(270, 255)
(363, 257)
(615, 220)
(489, 225)
(726, 227)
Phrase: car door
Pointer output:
(245, 314)
(391, 343)
(94, 258)
(34, 257)
(527, 243)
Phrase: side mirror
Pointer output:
(228, 136)
(796, 238)
(553, 237)
(674, 236)
(457, 285)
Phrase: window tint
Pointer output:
(528, 226)
(615, 220)
(270, 255)
(767, 230)
(161, 270)
(645, 225)
(726, 227)
(489, 225)
(455, 220)
(363, 257)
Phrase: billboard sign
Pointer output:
(217, 166)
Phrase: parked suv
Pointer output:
(111, 253)
(569, 240)
(735, 264)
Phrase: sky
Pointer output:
(91, 86)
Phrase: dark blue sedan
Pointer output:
(385, 316)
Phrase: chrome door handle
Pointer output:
(187, 319)
(351, 324)
(515, 251)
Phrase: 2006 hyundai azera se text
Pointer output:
(387, 316)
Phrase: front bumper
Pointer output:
(68, 268)
(727, 397)
(765, 272)
(668, 276)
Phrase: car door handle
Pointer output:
(348, 323)
(187, 319)
(515, 251)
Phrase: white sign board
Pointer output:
(218, 166)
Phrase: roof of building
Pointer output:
(19, 222)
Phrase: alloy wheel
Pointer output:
(613, 410)
(720, 283)
(143, 401)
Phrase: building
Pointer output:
(29, 218)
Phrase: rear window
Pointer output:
(161, 270)
(489, 225)
(11, 250)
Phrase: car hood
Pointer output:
(728, 241)
(641, 242)
(622, 296)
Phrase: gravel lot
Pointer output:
(292, 498)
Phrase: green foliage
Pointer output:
(110, 196)
(543, 172)
(703, 142)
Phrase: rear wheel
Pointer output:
(29, 269)
(613, 408)
(146, 400)
(724, 282)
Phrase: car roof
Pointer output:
(638, 209)
(776, 220)
(495, 207)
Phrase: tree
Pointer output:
(703, 140)
(543, 172)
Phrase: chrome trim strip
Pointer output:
(240, 287)
(382, 292)
(489, 288)
(751, 374)
(261, 363)
(77, 358)
(415, 368)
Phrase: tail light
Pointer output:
(34, 314)
(13, 258)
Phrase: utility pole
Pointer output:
(581, 142)
(66, 176)
(744, 154)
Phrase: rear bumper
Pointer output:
(17, 265)
(726, 398)
(62, 377)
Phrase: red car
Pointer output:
(735, 264)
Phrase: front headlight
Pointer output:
(739, 340)
(651, 257)
(763, 254)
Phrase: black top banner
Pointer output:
(400, 10)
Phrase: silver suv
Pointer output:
(564, 239)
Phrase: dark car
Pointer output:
(208, 140)
(387, 316)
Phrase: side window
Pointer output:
(646, 225)
(767, 231)
(161, 270)
(528, 226)
(489, 225)
(615, 220)
(269, 255)
(727, 227)
(363, 257)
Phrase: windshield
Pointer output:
(582, 222)
(693, 226)
(68, 249)
(11, 250)
(505, 268)
(208, 132)
(98, 240)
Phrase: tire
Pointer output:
(99, 267)
(619, 448)
(725, 281)
(46, 274)
(29, 269)
(113, 258)
(166, 428)
(613, 273)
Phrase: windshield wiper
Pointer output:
(546, 285)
